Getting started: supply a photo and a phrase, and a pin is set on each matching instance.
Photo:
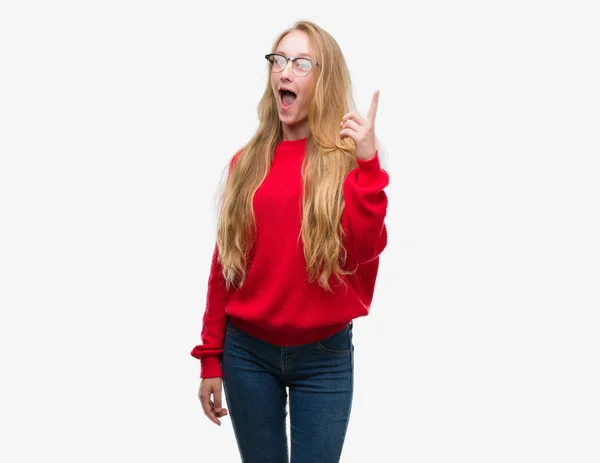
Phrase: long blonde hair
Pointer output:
(326, 164)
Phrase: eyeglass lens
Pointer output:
(300, 66)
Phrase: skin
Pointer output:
(295, 120)
(362, 130)
(213, 410)
(295, 126)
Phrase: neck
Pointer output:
(297, 132)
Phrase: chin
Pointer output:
(288, 120)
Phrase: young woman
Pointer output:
(300, 232)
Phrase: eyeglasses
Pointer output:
(300, 66)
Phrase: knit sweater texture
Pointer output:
(277, 303)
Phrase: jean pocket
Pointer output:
(338, 343)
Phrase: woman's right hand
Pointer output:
(213, 410)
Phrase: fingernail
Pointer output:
(218, 410)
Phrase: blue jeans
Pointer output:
(320, 378)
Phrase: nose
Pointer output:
(285, 72)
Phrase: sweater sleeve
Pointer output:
(364, 212)
(214, 321)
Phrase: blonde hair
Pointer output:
(326, 164)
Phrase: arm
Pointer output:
(214, 322)
(365, 211)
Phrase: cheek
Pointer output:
(306, 90)
(305, 100)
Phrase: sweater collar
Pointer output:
(293, 145)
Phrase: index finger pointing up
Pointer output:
(373, 108)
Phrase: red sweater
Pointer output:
(277, 303)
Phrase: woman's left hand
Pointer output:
(362, 130)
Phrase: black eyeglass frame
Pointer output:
(292, 59)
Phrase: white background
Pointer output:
(117, 119)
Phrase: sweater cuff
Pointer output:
(210, 367)
(369, 170)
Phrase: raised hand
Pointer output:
(362, 130)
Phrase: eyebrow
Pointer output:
(299, 54)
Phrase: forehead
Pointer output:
(295, 43)
(292, 54)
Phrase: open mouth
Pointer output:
(287, 98)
